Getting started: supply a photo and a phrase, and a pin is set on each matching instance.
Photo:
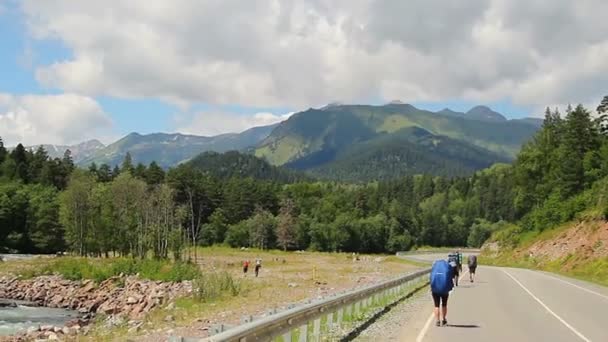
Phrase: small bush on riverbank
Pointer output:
(102, 269)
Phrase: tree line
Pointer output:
(48, 205)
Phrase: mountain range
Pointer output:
(79, 151)
(338, 141)
(363, 141)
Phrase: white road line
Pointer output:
(572, 284)
(430, 320)
(548, 309)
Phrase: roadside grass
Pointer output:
(595, 271)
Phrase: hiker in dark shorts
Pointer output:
(472, 267)
(258, 265)
(453, 262)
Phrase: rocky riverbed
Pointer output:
(119, 298)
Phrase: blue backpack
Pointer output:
(441, 277)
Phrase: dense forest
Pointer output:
(48, 205)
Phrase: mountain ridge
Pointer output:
(170, 149)
(315, 133)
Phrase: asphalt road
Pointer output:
(506, 304)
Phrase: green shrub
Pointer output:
(102, 269)
(210, 286)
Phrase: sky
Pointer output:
(77, 70)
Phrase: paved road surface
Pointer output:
(506, 304)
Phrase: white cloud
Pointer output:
(213, 123)
(50, 119)
(300, 52)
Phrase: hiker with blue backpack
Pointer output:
(441, 285)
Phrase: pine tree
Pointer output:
(115, 172)
(19, 156)
(104, 174)
(603, 107)
(155, 174)
(140, 171)
(93, 169)
(37, 163)
(3, 151)
(602, 120)
(580, 137)
(127, 164)
(68, 161)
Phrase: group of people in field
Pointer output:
(444, 276)
(258, 266)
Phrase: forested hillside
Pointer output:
(334, 138)
(46, 205)
(233, 164)
(410, 151)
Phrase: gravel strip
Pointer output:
(390, 325)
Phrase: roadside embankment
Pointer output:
(578, 249)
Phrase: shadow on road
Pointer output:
(463, 326)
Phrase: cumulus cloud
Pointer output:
(301, 52)
(217, 122)
(50, 119)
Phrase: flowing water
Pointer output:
(22, 317)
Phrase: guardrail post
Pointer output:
(340, 316)
(330, 321)
(316, 330)
(287, 336)
(303, 333)
(357, 307)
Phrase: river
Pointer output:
(22, 317)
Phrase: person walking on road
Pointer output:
(472, 267)
(441, 285)
(453, 262)
(460, 260)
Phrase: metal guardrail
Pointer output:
(330, 312)
(439, 251)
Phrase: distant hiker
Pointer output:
(459, 261)
(453, 262)
(441, 285)
(258, 265)
(472, 267)
(245, 266)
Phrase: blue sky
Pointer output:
(76, 71)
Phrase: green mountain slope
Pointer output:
(314, 137)
(235, 164)
(407, 152)
(171, 149)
